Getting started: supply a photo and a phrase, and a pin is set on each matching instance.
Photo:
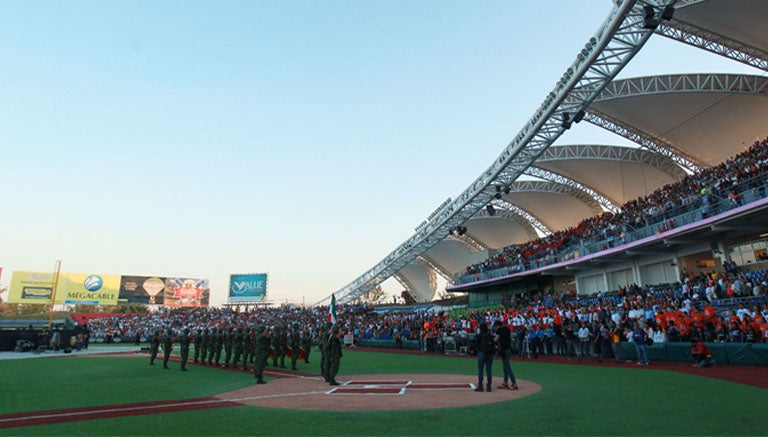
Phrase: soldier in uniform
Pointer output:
(212, 341)
(154, 346)
(238, 346)
(295, 344)
(276, 344)
(184, 341)
(283, 345)
(167, 347)
(229, 341)
(322, 344)
(262, 352)
(334, 355)
(306, 344)
(198, 343)
(219, 346)
(246, 346)
(204, 342)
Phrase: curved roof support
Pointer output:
(532, 220)
(437, 267)
(556, 187)
(644, 139)
(668, 84)
(612, 153)
(506, 214)
(712, 42)
(617, 41)
(469, 242)
(551, 176)
(404, 282)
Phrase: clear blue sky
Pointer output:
(305, 139)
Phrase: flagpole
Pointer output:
(56, 273)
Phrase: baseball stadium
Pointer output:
(570, 289)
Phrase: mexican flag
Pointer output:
(332, 310)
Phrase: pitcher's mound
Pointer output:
(375, 392)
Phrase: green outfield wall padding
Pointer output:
(759, 354)
(679, 352)
(739, 353)
(719, 352)
(658, 352)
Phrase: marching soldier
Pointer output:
(238, 342)
(262, 352)
(167, 347)
(229, 340)
(154, 346)
(283, 339)
(295, 344)
(322, 344)
(204, 342)
(198, 343)
(334, 355)
(246, 346)
(306, 344)
(184, 341)
(276, 344)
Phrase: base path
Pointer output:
(375, 392)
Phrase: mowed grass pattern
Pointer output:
(575, 400)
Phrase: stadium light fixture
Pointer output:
(650, 18)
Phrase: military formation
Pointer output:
(245, 345)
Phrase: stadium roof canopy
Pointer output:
(679, 124)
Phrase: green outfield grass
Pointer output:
(575, 400)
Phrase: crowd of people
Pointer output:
(700, 307)
(699, 191)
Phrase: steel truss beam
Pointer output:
(665, 84)
(469, 242)
(612, 153)
(556, 187)
(530, 218)
(644, 139)
(551, 176)
(715, 43)
(436, 266)
(617, 41)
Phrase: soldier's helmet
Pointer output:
(186, 330)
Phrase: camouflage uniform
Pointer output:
(283, 339)
(322, 344)
(276, 344)
(154, 346)
(238, 343)
(262, 352)
(306, 344)
(184, 341)
(198, 343)
(167, 347)
(334, 355)
(246, 346)
(205, 340)
(229, 341)
(295, 343)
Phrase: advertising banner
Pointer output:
(247, 287)
(187, 292)
(88, 289)
(142, 290)
(31, 287)
(73, 288)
